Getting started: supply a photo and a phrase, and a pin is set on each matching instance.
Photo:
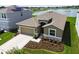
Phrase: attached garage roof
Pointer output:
(32, 22)
(58, 20)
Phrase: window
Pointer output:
(3, 15)
(52, 32)
(21, 14)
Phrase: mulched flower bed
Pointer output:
(46, 44)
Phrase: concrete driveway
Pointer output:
(18, 41)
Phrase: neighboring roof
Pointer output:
(58, 20)
(10, 9)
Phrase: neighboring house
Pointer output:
(9, 16)
(49, 25)
(77, 23)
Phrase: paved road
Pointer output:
(17, 42)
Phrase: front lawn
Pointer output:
(4, 37)
(30, 51)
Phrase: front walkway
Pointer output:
(17, 42)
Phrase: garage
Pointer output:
(27, 30)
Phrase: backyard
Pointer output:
(70, 40)
(34, 9)
(4, 37)
(73, 47)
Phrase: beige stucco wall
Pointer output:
(59, 32)
(31, 31)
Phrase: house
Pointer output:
(49, 25)
(10, 15)
(77, 23)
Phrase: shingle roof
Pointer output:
(58, 20)
(33, 22)
(9, 9)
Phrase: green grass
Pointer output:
(30, 51)
(5, 37)
(41, 51)
(72, 20)
(38, 9)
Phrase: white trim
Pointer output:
(52, 36)
(77, 24)
(19, 29)
(49, 24)
(49, 31)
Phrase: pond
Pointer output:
(67, 12)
